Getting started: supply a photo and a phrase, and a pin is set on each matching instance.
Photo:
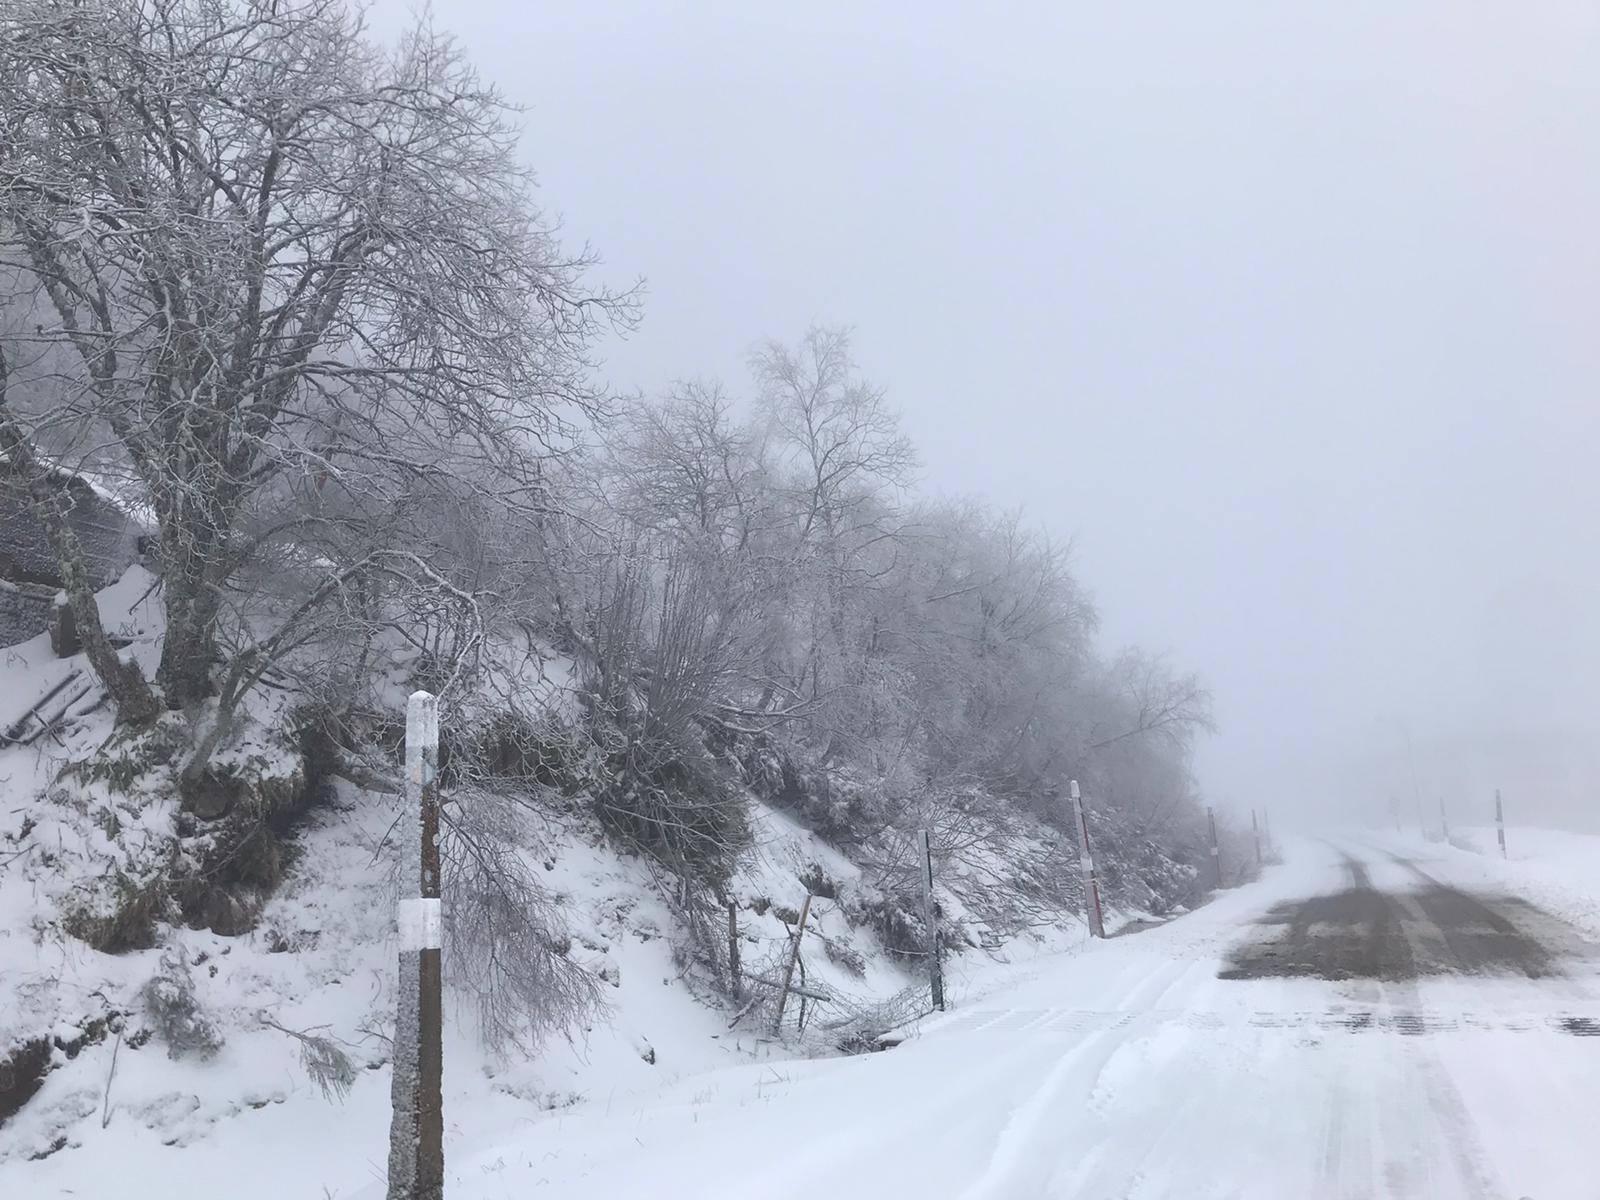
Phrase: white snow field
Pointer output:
(1413, 1022)
(1133, 1070)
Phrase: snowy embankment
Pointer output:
(115, 1114)
(1136, 1068)
(322, 960)
(1558, 871)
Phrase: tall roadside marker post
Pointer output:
(416, 1128)
(733, 948)
(1216, 855)
(1255, 829)
(1500, 821)
(1091, 881)
(930, 918)
(1444, 822)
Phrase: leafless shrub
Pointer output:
(174, 1010)
(504, 945)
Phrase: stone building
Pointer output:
(29, 576)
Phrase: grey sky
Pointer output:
(1286, 314)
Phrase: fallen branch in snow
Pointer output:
(794, 988)
(51, 725)
(330, 1067)
(743, 1012)
(12, 734)
(105, 1108)
(366, 777)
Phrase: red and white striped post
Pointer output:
(416, 1127)
(1500, 821)
(1091, 881)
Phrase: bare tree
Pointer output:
(1147, 699)
(842, 440)
(279, 280)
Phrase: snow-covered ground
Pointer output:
(1116, 1069)
(118, 1117)
(322, 959)
(1104, 1069)
(1131, 1069)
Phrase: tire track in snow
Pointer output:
(1013, 1171)
(1435, 1093)
(804, 1174)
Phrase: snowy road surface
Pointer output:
(1374, 1019)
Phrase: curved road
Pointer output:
(1361, 1023)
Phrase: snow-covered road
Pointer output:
(1374, 1019)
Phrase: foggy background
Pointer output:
(1287, 319)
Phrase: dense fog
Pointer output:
(1288, 324)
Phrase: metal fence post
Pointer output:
(930, 918)
(1091, 881)
(416, 1128)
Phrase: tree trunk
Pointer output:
(192, 599)
(188, 654)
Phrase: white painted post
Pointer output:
(1255, 829)
(1444, 822)
(416, 1127)
(930, 918)
(1091, 881)
(1500, 821)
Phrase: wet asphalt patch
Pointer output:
(1430, 929)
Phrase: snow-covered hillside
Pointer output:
(119, 1098)
(321, 960)
(1136, 1068)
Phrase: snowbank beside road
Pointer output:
(1558, 871)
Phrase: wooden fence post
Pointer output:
(1091, 881)
(733, 948)
(1500, 821)
(930, 918)
(1216, 855)
(788, 971)
(416, 1127)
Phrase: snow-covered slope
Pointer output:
(116, 1112)
(1130, 1068)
